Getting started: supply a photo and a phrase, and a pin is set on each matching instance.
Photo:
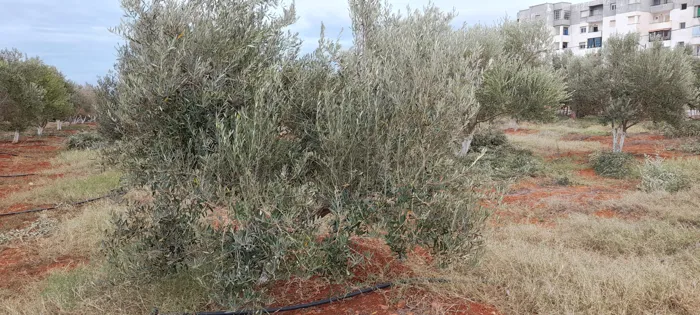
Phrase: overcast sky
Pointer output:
(74, 36)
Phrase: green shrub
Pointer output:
(489, 138)
(85, 140)
(688, 128)
(612, 164)
(506, 162)
(692, 147)
(562, 181)
(659, 176)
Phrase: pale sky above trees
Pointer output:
(74, 35)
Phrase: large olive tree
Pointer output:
(213, 110)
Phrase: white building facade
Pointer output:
(584, 27)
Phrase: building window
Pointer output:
(661, 18)
(557, 14)
(595, 42)
(565, 30)
(697, 11)
(681, 44)
(583, 30)
(567, 15)
(565, 45)
(594, 28)
(613, 6)
(612, 23)
(660, 2)
(696, 31)
(684, 6)
(682, 26)
(660, 35)
(582, 45)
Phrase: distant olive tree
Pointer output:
(83, 99)
(519, 79)
(21, 99)
(587, 82)
(56, 101)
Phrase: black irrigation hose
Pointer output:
(14, 154)
(355, 293)
(17, 175)
(56, 206)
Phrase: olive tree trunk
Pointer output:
(467, 143)
(16, 137)
(59, 124)
(39, 131)
(619, 135)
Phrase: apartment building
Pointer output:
(584, 27)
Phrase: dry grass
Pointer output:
(68, 189)
(548, 143)
(589, 126)
(81, 235)
(590, 265)
(85, 290)
(644, 260)
(74, 162)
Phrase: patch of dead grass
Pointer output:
(551, 144)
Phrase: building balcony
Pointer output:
(660, 25)
(561, 22)
(664, 7)
(635, 7)
(593, 18)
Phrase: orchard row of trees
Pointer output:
(33, 93)
(625, 84)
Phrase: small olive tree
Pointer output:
(645, 84)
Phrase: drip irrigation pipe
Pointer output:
(355, 293)
(14, 154)
(17, 175)
(56, 206)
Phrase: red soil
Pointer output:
(20, 262)
(21, 265)
(519, 131)
(639, 144)
(605, 213)
(379, 261)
